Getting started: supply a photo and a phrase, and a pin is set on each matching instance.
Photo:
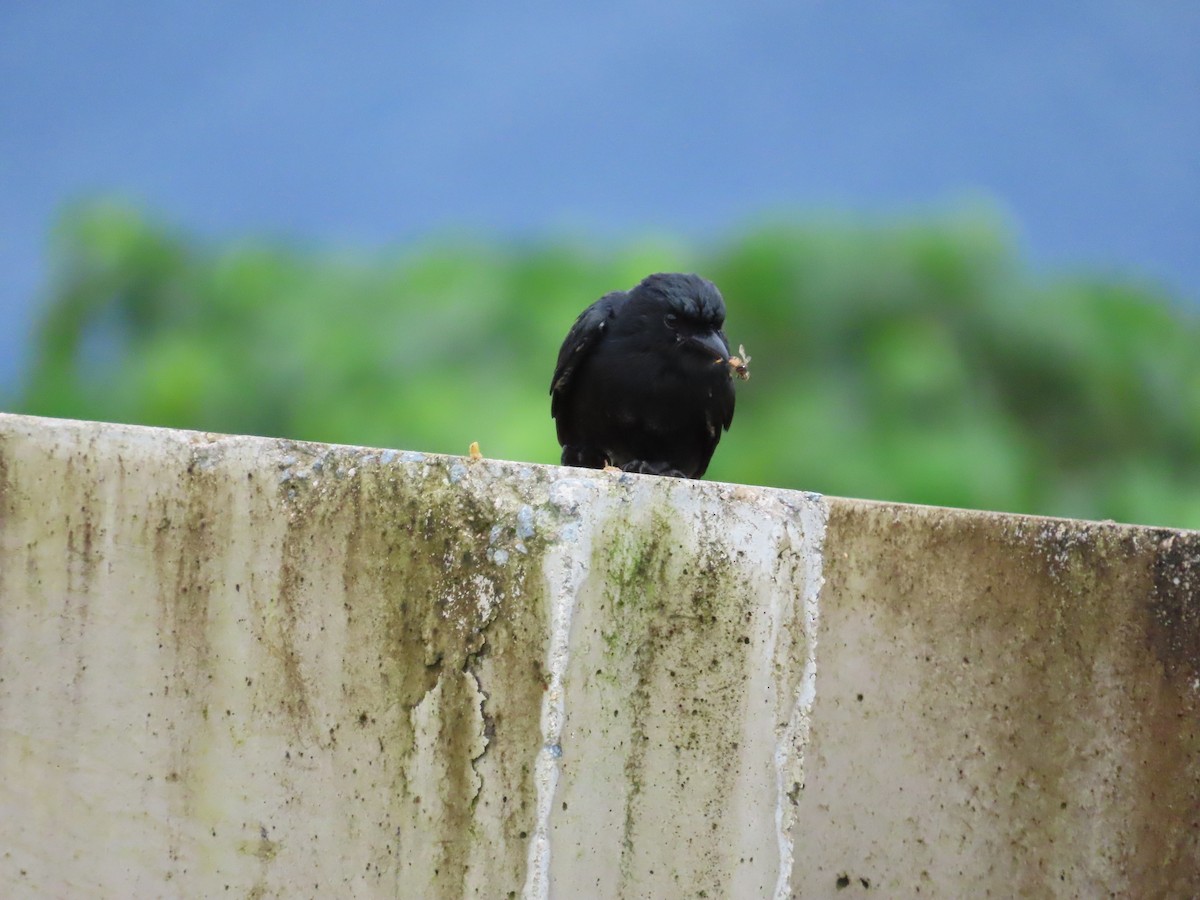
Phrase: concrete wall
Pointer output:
(244, 667)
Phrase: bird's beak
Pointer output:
(710, 342)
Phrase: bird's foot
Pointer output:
(583, 456)
(645, 467)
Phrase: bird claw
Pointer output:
(642, 467)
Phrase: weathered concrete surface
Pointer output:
(245, 667)
(1006, 706)
(276, 669)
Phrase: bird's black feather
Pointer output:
(642, 380)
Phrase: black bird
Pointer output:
(643, 380)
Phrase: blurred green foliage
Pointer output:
(910, 361)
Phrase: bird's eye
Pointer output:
(672, 320)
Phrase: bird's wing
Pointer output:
(580, 340)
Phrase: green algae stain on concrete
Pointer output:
(442, 609)
(663, 634)
(636, 572)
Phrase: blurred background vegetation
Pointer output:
(917, 361)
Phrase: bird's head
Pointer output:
(686, 309)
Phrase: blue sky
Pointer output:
(373, 124)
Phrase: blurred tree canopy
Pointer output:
(910, 361)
